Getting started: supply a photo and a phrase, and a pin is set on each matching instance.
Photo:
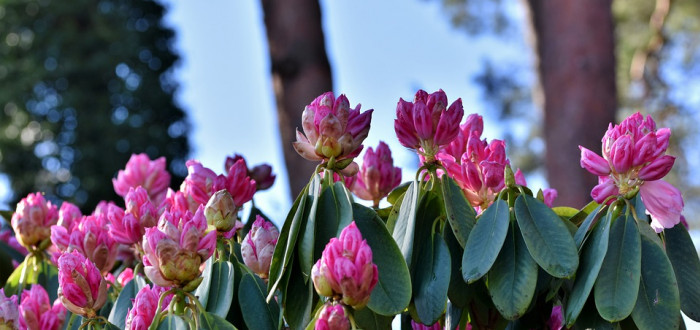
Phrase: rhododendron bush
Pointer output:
(463, 244)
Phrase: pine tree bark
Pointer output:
(300, 72)
(576, 50)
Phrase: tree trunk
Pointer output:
(300, 73)
(575, 45)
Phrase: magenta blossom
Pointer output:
(139, 214)
(258, 246)
(332, 317)
(262, 174)
(634, 157)
(420, 326)
(125, 276)
(81, 287)
(427, 124)
(176, 249)
(33, 219)
(145, 306)
(69, 215)
(332, 130)
(479, 167)
(91, 237)
(237, 183)
(556, 319)
(142, 171)
(9, 311)
(37, 313)
(198, 185)
(346, 269)
(378, 175)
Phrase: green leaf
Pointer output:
(547, 237)
(299, 300)
(592, 256)
(460, 213)
(394, 214)
(117, 315)
(334, 214)
(73, 321)
(307, 232)
(618, 281)
(12, 284)
(583, 229)
(7, 215)
(485, 241)
(565, 211)
(110, 326)
(397, 192)
(212, 321)
(235, 316)
(431, 279)
(686, 266)
(14, 254)
(284, 249)
(393, 291)
(658, 300)
(257, 313)
(202, 291)
(513, 277)
(369, 320)
(404, 230)
(170, 321)
(221, 289)
(6, 267)
(459, 293)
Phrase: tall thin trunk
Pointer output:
(300, 72)
(575, 45)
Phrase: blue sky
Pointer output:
(379, 51)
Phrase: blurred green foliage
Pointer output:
(84, 85)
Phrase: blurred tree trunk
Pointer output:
(575, 46)
(300, 72)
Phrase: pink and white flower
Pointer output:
(33, 219)
(258, 246)
(81, 287)
(37, 313)
(378, 176)
(142, 171)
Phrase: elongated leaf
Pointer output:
(592, 256)
(369, 320)
(432, 280)
(170, 322)
(565, 211)
(257, 313)
(405, 227)
(284, 249)
(394, 214)
(686, 267)
(299, 300)
(13, 282)
(334, 213)
(585, 226)
(393, 291)
(485, 241)
(73, 322)
(513, 277)
(618, 281)
(307, 231)
(235, 316)
(547, 237)
(459, 293)
(212, 321)
(221, 289)
(398, 191)
(658, 301)
(202, 291)
(460, 213)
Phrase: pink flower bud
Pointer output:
(176, 249)
(425, 125)
(220, 211)
(420, 326)
(69, 215)
(606, 187)
(594, 163)
(663, 202)
(81, 287)
(262, 174)
(550, 194)
(378, 176)
(237, 183)
(621, 153)
(91, 237)
(9, 311)
(125, 276)
(520, 178)
(332, 317)
(145, 306)
(127, 227)
(556, 319)
(258, 246)
(346, 267)
(332, 129)
(199, 184)
(657, 169)
(33, 219)
(37, 313)
(142, 171)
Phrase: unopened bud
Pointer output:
(221, 211)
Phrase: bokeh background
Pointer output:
(84, 84)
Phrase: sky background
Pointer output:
(379, 51)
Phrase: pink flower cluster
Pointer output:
(37, 313)
(258, 246)
(33, 219)
(634, 157)
(82, 288)
(332, 317)
(142, 171)
(378, 176)
(262, 174)
(346, 269)
(201, 183)
(145, 306)
(332, 130)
